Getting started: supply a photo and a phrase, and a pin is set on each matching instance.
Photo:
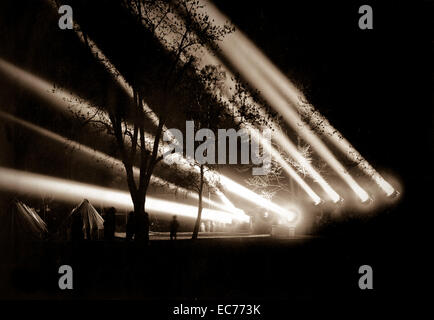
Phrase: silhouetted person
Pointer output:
(174, 225)
(109, 224)
(77, 228)
(131, 226)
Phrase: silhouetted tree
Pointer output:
(174, 43)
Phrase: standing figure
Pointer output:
(174, 225)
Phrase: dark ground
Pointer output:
(291, 271)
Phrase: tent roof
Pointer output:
(89, 214)
(22, 221)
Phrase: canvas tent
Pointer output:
(21, 234)
(92, 222)
(21, 223)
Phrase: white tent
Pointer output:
(22, 222)
(21, 233)
(93, 223)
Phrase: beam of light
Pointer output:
(281, 139)
(100, 56)
(278, 157)
(283, 84)
(256, 199)
(60, 99)
(184, 163)
(292, 117)
(229, 204)
(205, 58)
(238, 190)
(291, 148)
(109, 161)
(246, 64)
(71, 191)
(98, 53)
(290, 92)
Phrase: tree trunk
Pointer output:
(199, 209)
(142, 220)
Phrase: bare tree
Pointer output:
(213, 106)
(208, 110)
(159, 86)
(276, 180)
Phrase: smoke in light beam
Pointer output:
(71, 191)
